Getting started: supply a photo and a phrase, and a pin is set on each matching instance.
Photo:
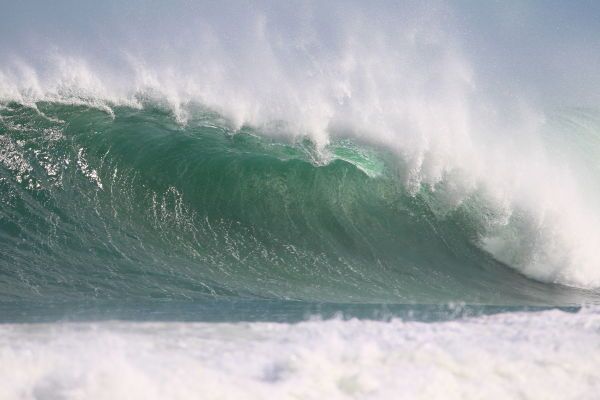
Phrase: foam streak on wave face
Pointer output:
(389, 75)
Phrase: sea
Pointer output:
(299, 200)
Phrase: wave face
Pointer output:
(334, 154)
(133, 205)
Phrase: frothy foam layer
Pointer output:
(551, 355)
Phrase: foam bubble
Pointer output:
(550, 354)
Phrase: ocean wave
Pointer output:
(133, 204)
(335, 152)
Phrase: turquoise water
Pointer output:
(135, 208)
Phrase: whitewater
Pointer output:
(255, 200)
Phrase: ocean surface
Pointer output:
(258, 200)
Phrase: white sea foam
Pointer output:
(397, 76)
(545, 355)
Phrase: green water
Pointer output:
(139, 211)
